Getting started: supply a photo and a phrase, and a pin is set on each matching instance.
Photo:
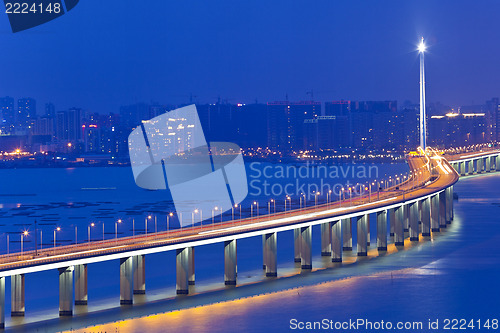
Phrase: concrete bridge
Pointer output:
(420, 205)
(475, 163)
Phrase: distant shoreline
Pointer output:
(21, 164)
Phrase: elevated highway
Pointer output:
(420, 205)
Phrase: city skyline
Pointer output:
(327, 52)
(292, 129)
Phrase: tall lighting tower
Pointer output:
(423, 125)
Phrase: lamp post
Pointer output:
(25, 233)
(36, 243)
(196, 211)
(116, 227)
(146, 224)
(168, 220)
(341, 195)
(213, 214)
(91, 225)
(423, 125)
(56, 229)
(232, 210)
(316, 198)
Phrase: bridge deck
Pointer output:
(418, 186)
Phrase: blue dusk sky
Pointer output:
(104, 54)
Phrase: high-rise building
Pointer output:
(403, 131)
(251, 126)
(456, 130)
(131, 116)
(218, 121)
(68, 125)
(338, 108)
(369, 124)
(43, 126)
(26, 112)
(50, 110)
(7, 115)
(493, 119)
(342, 108)
(285, 123)
(74, 124)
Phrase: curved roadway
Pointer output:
(429, 174)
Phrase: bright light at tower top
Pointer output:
(421, 46)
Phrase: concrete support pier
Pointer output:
(470, 168)
(442, 209)
(399, 235)
(449, 208)
(66, 291)
(497, 163)
(230, 262)
(419, 207)
(2, 302)
(139, 275)
(382, 230)
(336, 241)
(326, 239)
(264, 251)
(17, 295)
(362, 233)
(392, 220)
(270, 254)
(426, 217)
(347, 234)
(487, 164)
(413, 230)
(191, 276)
(182, 271)
(406, 217)
(368, 230)
(296, 244)
(451, 201)
(435, 213)
(305, 247)
(80, 275)
(127, 281)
